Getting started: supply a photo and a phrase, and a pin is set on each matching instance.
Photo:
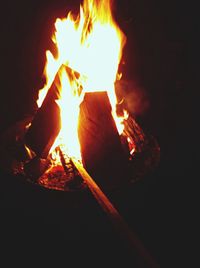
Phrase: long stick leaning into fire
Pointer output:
(118, 222)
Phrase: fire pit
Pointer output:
(69, 175)
(49, 172)
(80, 118)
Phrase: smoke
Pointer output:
(134, 98)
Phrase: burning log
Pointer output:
(75, 181)
(145, 156)
(101, 148)
(46, 123)
(135, 134)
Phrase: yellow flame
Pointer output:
(91, 44)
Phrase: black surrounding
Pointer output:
(161, 57)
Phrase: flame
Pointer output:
(90, 47)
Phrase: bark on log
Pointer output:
(101, 148)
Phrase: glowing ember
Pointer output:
(90, 47)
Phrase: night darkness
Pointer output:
(161, 57)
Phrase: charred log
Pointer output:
(135, 134)
(74, 179)
(46, 123)
(146, 154)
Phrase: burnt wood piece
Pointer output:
(135, 134)
(101, 148)
(75, 181)
(46, 123)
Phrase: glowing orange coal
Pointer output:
(90, 47)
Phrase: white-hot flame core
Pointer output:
(90, 45)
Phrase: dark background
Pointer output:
(161, 57)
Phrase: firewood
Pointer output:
(45, 126)
(46, 123)
(135, 133)
(101, 148)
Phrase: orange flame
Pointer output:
(90, 45)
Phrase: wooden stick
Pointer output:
(118, 222)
